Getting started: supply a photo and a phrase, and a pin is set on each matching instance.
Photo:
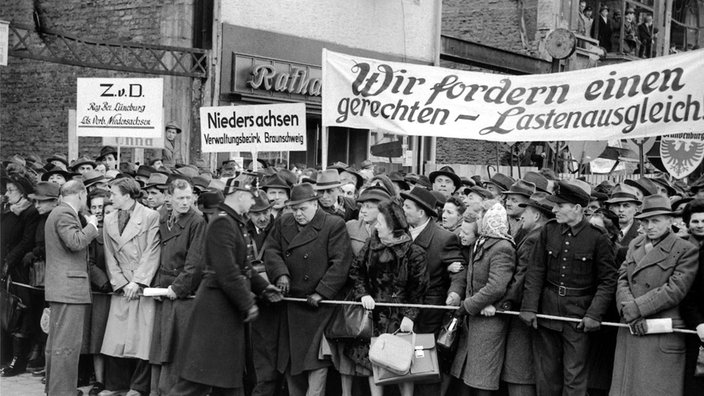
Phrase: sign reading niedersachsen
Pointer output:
(277, 127)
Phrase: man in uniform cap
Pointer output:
(214, 357)
(572, 274)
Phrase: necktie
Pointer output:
(123, 217)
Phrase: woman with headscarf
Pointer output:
(480, 353)
(389, 268)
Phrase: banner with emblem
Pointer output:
(681, 154)
(652, 97)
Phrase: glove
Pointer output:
(368, 302)
(314, 299)
(489, 310)
(283, 283)
(406, 325)
(588, 324)
(252, 314)
(272, 294)
(630, 311)
(529, 318)
(453, 299)
(639, 327)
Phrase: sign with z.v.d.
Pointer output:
(120, 107)
(276, 127)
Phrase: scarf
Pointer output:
(495, 224)
(20, 206)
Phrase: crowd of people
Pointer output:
(169, 280)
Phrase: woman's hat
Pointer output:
(22, 183)
(57, 171)
(654, 205)
(303, 192)
(424, 198)
(45, 191)
(374, 193)
(446, 171)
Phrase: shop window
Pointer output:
(684, 30)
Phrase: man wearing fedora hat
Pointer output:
(653, 281)
(519, 353)
(225, 301)
(442, 248)
(624, 202)
(572, 273)
(518, 194)
(328, 185)
(82, 165)
(308, 255)
(108, 156)
(445, 181)
(277, 191)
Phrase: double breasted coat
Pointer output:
(132, 256)
(215, 354)
(317, 259)
(657, 281)
(480, 351)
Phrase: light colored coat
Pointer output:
(131, 257)
(67, 242)
(657, 281)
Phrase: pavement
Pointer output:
(26, 385)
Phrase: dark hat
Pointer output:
(374, 193)
(145, 171)
(643, 184)
(57, 171)
(58, 157)
(521, 187)
(680, 201)
(605, 187)
(654, 205)
(446, 171)
(397, 177)
(105, 151)
(157, 180)
(501, 181)
(424, 182)
(289, 177)
(190, 171)
(540, 201)
(329, 178)
(424, 198)
(275, 181)
(569, 193)
(243, 182)
(82, 161)
(200, 183)
(303, 192)
(598, 196)
(439, 198)
(540, 181)
(359, 179)
(154, 159)
(45, 191)
(482, 192)
(261, 202)
(173, 125)
(630, 10)
(467, 182)
(16, 159)
(33, 159)
(662, 182)
(22, 183)
(209, 200)
(92, 177)
(581, 184)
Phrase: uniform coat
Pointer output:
(132, 256)
(67, 244)
(442, 248)
(657, 282)
(519, 353)
(216, 356)
(317, 259)
(480, 351)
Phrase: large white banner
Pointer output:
(651, 97)
(120, 107)
(276, 127)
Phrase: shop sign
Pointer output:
(254, 128)
(120, 107)
(643, 98)
(278, 79)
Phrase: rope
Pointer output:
(421, 306)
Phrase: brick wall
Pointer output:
(35, 95)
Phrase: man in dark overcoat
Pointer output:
(572, 274)
(214, 356)
(308, 255)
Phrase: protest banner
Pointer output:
(652, 97)
(120, 107)
(254, 128)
